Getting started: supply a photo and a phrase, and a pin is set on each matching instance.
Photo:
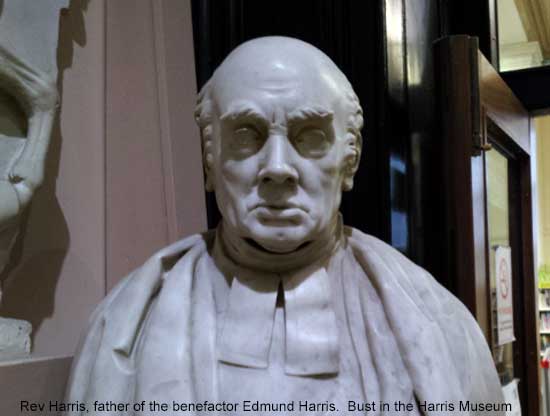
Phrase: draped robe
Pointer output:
(409, 334)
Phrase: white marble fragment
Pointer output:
(15, 338)
(28, 105)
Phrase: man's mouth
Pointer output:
(279, 216)
(279, 206)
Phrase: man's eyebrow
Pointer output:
(308, 113)
(242, 111)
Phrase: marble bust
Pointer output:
(282, 307)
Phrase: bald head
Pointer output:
(280, 63)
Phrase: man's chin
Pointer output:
(276, 238)
(278, 244)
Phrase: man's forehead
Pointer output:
(275, 76)
(274, 95)
(278, 76)
(276, 82)
(265, 77)
(249, 109)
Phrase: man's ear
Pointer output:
(352, 157)
(207, 158)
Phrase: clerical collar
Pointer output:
(311, 341)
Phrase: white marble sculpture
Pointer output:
(281, 305)
(28, 75)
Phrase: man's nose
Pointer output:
(277, 166)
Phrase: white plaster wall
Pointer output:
(510, 27)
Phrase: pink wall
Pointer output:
(124, 175)
(154, 179)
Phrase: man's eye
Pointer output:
(312, 142)
(246, 137)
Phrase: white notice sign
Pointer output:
(505, 310)
(510, 392)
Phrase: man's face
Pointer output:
(278, 157)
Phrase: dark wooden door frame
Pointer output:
(453, 58)
(509, 124)
(472, 98)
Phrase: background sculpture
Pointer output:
(28, 76)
